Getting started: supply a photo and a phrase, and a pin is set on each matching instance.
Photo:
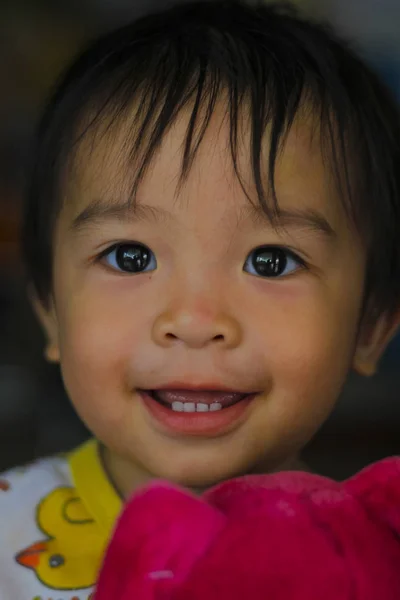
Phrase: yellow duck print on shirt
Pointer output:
(70, 557)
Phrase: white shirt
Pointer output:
(56, 517)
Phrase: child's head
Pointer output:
(214, 204)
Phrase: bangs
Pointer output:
(144, 93)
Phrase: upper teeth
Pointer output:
(195, 406)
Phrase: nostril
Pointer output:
(196, 330)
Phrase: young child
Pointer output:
(212, 240)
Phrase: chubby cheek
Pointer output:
(98, 340)
(308, 349)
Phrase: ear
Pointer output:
(372, 343)
(48, 320)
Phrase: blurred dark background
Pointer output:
(37, 38)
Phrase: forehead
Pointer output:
(103, 169)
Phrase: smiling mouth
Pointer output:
(197, 412)
(202, 401)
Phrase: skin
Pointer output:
(199, 317)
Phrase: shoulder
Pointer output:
(22, 491)
(21, 485)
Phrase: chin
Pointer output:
(199, 481)
(198, 473)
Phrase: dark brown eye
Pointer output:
(271, 261)
(131, 258)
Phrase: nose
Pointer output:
(196, 329)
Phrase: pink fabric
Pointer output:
(289, 536)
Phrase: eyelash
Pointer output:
(285, 253)
(274, 257)
(118, 246)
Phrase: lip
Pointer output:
(210, 424)
(202, 387)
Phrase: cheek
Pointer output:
(307, 346)
(100, 332)
(309, 340)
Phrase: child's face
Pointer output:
(201, 314)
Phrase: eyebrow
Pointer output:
(101, 210)
(304, 218)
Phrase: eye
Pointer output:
(272, 261)
(130, 258)
(56, 560)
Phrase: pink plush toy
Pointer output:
(289, 536)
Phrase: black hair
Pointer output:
(268, 61)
